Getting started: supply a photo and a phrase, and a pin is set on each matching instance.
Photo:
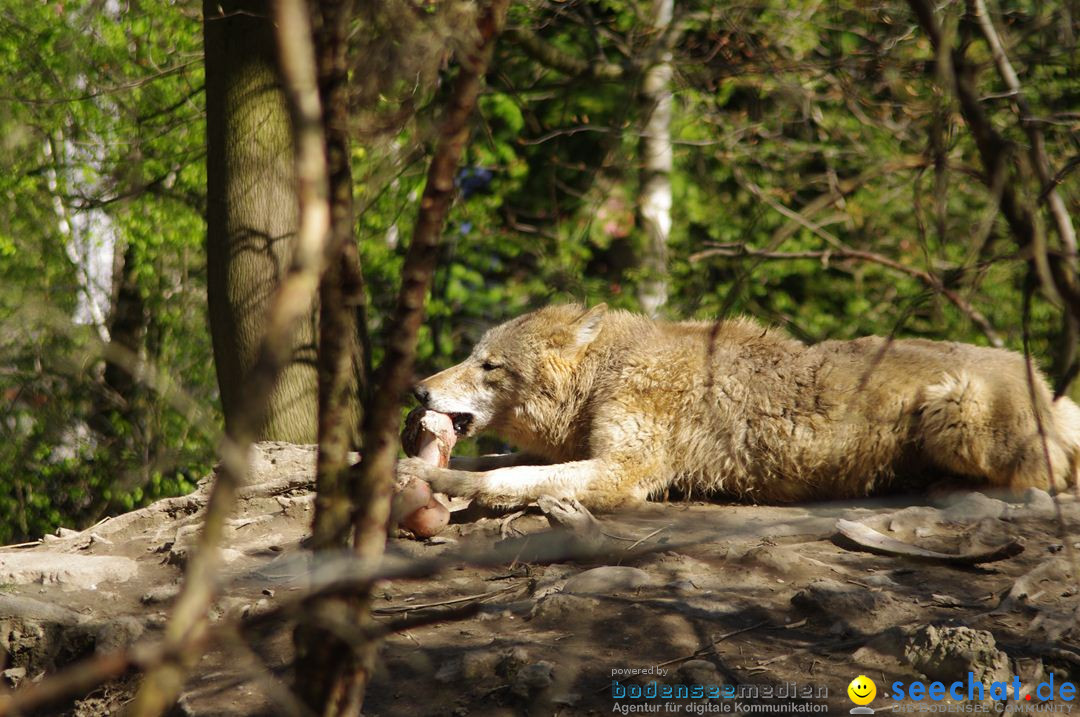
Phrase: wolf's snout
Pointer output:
(422, 394)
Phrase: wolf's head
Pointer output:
(514, 369)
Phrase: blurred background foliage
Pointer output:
(797, 127)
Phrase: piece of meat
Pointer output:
(430, 436)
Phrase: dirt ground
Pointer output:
(760, 603)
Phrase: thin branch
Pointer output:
(925, 277)
(373, 486)
(577, 129)
(324, 666)
(1057, 274)
(341, 294)
(552, 57)
(291, 302)
(382, 419)
(791, 214)
(121, 87)
(1037, 145)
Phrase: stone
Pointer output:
(479, 665)
(13, 676)
(700, 672)
(1038, 502)
(973, 507)
(160, 594)
(608, 579)
(947, 654)
(852, 606)
(69, 570)
(533, 679)
(561, 607)
(511, 661)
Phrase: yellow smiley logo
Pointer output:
(862, 690)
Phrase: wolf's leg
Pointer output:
(970, 429)
(1061, 425)
(1067, 414)
(493, 461)
(956, 428)
(599, 483)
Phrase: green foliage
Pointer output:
(103, 145)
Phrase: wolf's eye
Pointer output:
(489, 365)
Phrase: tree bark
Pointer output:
(654, 192)
(251, 214)
(127, 326)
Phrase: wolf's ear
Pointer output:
(586, 327)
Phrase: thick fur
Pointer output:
(622, 407)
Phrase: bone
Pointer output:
(429, 436)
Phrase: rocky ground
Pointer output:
(751, 597)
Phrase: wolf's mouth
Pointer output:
(461, 421)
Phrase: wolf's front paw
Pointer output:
(414, 468)
(457, 483)
(442, 480)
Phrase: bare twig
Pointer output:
(322, 662)
(1057, 277)
(712, 645)
(550, 56)
(114, 89)
(1036, 143)
(925, 277)
(478, 598)
(373, 486)
(291, 302)
(789, 213)
(1065, 277)
(643, 539)
(1038, 409)
(837, 193)
(341, 293)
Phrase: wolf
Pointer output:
(612, 408)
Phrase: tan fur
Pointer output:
(624, 407)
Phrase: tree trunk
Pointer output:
(251, 214)
(127, 330)
(654, 193)
(127, 326)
